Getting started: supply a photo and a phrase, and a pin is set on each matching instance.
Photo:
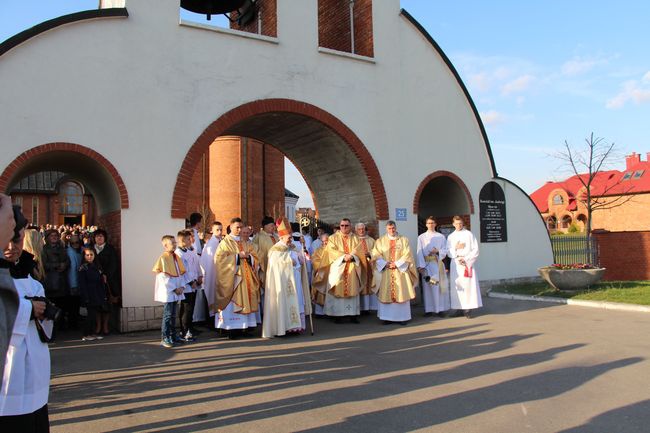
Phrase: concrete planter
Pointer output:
(571, 279)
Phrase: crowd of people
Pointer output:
(78, 269)
(280, 275)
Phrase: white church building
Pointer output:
(374, 115)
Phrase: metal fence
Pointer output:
(568, 249)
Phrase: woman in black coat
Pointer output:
(92, 289)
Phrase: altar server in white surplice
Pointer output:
(432, 248)
(208, 269)
(463, 250)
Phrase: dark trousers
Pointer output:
(35, 422)
(186, 312)
(73, 302)
(91, 320)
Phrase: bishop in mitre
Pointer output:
(286, 301)
(344, 280)
(463, 250)
(238, 286)
(431, 250)
(397, 275)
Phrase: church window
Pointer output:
(638, 174)
(71, 198)
(557, 199)
(627, 175)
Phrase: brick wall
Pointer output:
(626, 255)
(268, 14)
(239, 185)
(112, 223)
(225, 178)
(274, 182)
(334, 30)
(199, 191)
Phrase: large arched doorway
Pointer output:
(338, 168)
(88, 168)
(442, 195)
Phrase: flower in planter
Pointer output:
(562, 267)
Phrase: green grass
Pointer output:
(627, 292)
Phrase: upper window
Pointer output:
(558, 199)
(638, 174)
(346, 26)
(627, 175)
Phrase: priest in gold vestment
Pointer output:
(397, 275)
(320, 275)
(344, 280)
(367, 296)
(238, 286)
(263, 241)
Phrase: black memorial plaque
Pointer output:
(492, 208)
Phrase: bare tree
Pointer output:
(586, 163)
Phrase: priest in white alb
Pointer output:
(396, 275)
(286, 300)
(431, 250)
(463, 250)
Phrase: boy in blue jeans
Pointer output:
(170, 283)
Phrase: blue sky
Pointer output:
(540, 72)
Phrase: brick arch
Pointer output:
(22, 160)
(436, 174)
(264, 106)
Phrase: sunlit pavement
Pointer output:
(514, 367)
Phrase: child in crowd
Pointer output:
(171, 282)
(92, 289)
(190, 260)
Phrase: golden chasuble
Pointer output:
(263, 242)
(349, 283)
(320, 273)
(395, 286)
(167, 264)
(367, 281)
(238, 284)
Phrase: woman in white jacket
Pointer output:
(26, 380)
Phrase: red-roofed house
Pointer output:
(560, 204)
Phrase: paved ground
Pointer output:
(517, 367)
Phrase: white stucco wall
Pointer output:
(141, 90)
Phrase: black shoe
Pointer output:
(404, 323)
(354, 319)
(386, 322)
(338, 320)
(467, 314)
(429, 314)
(441, 314)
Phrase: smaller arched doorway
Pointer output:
(442, 195)
(83, 166)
